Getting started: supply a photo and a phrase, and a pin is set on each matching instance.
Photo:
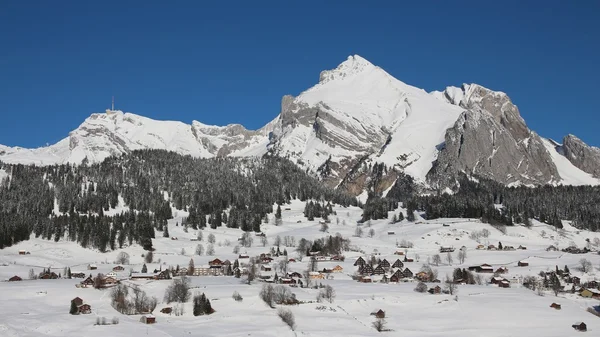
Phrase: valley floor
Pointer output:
(40, 307)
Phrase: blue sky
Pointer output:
(223, 62)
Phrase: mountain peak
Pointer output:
(353, 65)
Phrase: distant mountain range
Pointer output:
(356, 120)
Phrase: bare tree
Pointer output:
(210, 250)
(251, 272)
(122, 258)
(178, 291)
(307, 278)
(585, 265)
(277, 241)
(267, 294)
(436, 259)
(371, 232)
(449, 258)
(282, 294)
(450, 286)
(432, 274)
(380, 324)
(182, 251)
(246, 239)
(211, 238)
(32, 275)
(283, 266)
(143, 303)
(199, 249)
(421, 287)
(264, 241)
(358, 232)
(328, 293)
(199, 236)
(314, 264)
(236, 249)
(237, 297)
(287, 317)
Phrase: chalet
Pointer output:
(491, 247)
(49, 276)
(243, 256)
(480, 247)
(384, 263)
(508, 248)
(522, 247)
(379, 313)
(504, 284)
(118, 268)
(422, 276)
(590, 293)
(365, 270)
(84, 309)
(580, 326)
(92, 267)
(360, 262)
(111, 274)
(292, 260)
(446, 249)
(591, 284)
(266, 259)
(391, 233)
(182, 271)
(216, 263)
(501, 270)
(555, 306)
(15, 278)
(24, 252)
(496, 280)
(295, 275)
(89, 281)
(551, 248)
(365, 279)
(385, 278)
(142, 276)
(398, 252)
(287, 280)
(407, 273)
(435, 290)
(227, 263)
(163, 275)
(265, 268)
(77, 300)
(575, 280)
(522, 264)
(484, 268)
(207, 271)
(315, 275)
(166, 310)
(148, 319)
(379, 270)
(398, 264)
(108, 281)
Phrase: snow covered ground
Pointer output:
(40, 307)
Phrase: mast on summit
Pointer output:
(113, 104)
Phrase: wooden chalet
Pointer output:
(216, 263)
(15, 278)
(580, 326)
(89, 281)
(398, 264)
(166, 310)
(77, 300)
(148, 319)
(397, 276)
(365, 279)
(118, 268)
(315, 275)
(501, 270)
(365, 270)
(484, 268)
(435, 290)
(360, 262)
(49, 276)
(555, 306)
(422, 276)
(265, 267)
(384, 263)
(337, 269)
(77, 275)
(379, 270)
(109, 281)
(522, 264)
(243, 256)
(92, 267)
(84, 309)
(295, 275)
(379, 313)
(407, 273)
(504, 284)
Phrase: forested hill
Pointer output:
(69, 202)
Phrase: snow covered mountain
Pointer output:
(357, 116)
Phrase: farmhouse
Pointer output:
(590, 293)
(484, 268)
(523, 264)
(148, 319)
(107, 281)
(555, 306)
(398, 264)
(422, 276)
(384, 263)
(118, 268)
(315, 275)
(142, 276)
(207, 271)
(78, 275)
(89, 281)
(92, 267)
(15, 278)
(379, 270)
(379, 313)
(265, 268)
(407, 273)
(580, 326)
(84, 309)
(360, 262)
(502, 270)
(243, 256)
(216, 263)
(337, 269)
(365, 270)
(111, 274)
(365, 279)
(49, 276)
(23, 252)
(435, 290)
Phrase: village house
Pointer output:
(23, 252)
(295, 275)
(480, 247)
(148, 319)
(315, 275)
(15, 278)
(580, 326)
(555, 306)
(77, 275)
(446, 249)
(360, 262)
(501, 270)
(378, 270)
(435, 290)
(109, 281)
(207, 271)
(422, 276)
(84, 309)
(590, 293)
(365, 270)
(522, 264)
(365, 279)
(337, 269)
(111, 274)
(407, 273)
(142, 276)
(484, 268)
(166, 310)
(384, 263)
(378, 313)
(182, 271)
(398, 264)
(89, 281)
(118, 268)
(265, 268)
(49, 276)
(216, 263)
(286, 280)
(243, 256)
(92, 267)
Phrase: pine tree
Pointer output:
(191, 267)
(144, 268)
(166, 231)
(74, 310)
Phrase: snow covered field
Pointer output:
(41, 307)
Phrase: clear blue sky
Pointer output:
(225, 62)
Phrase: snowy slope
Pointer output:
(570, 174)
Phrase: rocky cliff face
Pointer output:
(490, 138)
(585, 157)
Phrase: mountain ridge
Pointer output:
(355, 117)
